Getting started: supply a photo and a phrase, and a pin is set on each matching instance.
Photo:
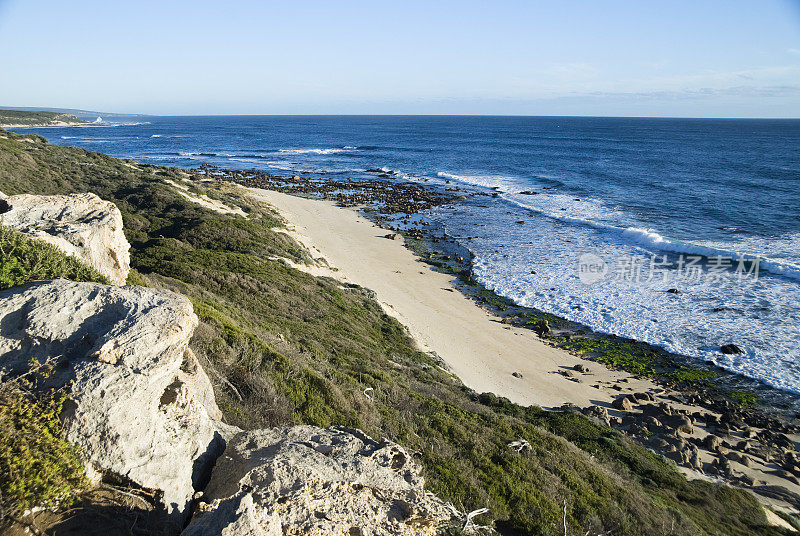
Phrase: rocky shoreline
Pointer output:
(710, 422)
(695, 419)
(284, 348)
(387, 196)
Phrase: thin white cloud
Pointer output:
(777, 75)
(795, 51)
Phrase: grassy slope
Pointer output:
(21, 117)
(285, 347)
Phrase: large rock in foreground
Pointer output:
(141, 408)
(82, 225)
(313, 481)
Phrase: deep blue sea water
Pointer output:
(593, 219)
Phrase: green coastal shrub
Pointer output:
(38, 467)
(23, 259)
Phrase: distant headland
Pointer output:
(21, 119)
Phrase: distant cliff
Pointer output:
(20, 118)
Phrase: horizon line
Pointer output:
(588, 116)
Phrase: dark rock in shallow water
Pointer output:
(730, 349)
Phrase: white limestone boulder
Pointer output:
(140, 408)
(312, 481)
(81, 225)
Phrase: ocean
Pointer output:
(683, 233)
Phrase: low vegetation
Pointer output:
(23, 260)
(38, 467)
(284, 347)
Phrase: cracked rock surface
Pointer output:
(308, 480)
(141, 408)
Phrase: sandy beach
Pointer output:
(480, 350)
(475, 345)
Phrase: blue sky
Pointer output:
(634, 58)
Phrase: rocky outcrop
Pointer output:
(622, 403)
(142, 410)
(82, 225)
(307, 480)
(730, 349)
(140, 407)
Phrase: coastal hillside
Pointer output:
(21, 118)
(282, 347)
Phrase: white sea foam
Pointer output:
(400, 174)
(595, 214)
(111, 124)
(536, 266)
(88, 139)
(495, 182)
(653, 240)
(683, 324)
(333, 150)
(205, 155)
